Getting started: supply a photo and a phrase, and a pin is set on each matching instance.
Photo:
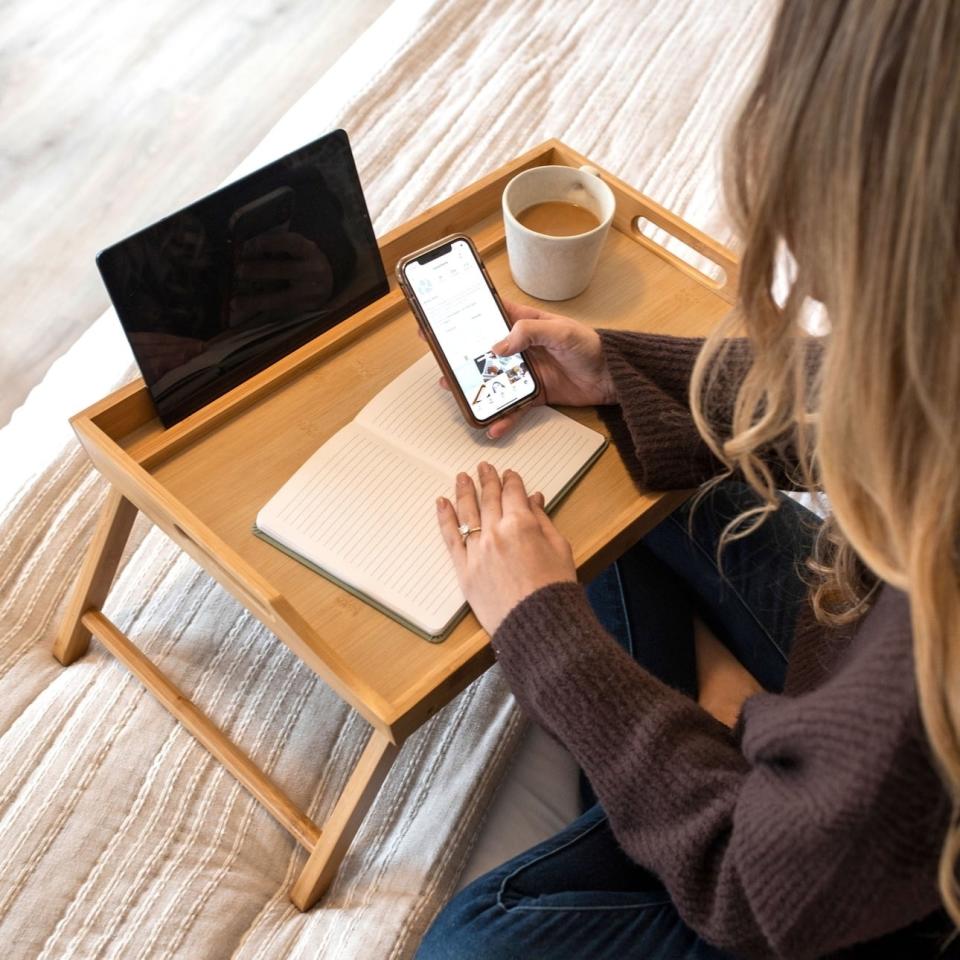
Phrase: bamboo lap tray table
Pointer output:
(203, 480)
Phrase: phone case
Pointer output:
(435, 346)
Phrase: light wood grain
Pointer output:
(252, 459)
(132, 413)
(114, 114)
(233, 572)
(96, 575)
(204, 481)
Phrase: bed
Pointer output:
(107, 843)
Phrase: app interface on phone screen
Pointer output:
(466, 320)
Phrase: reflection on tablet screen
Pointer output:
(216, 292)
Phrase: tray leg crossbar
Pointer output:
(205, 730)
(328, 845)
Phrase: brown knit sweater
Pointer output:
(817, 823)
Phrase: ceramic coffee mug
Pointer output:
(550, 267)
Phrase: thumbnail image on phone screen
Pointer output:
(466, 319)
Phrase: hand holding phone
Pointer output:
(462, 316)
(567, 355)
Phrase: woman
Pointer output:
(817, 823)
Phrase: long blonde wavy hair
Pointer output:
(844, 169)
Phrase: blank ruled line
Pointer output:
(308, 502)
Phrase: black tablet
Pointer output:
(214, 293)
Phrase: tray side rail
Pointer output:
(632, 205)
(231, 571)
(102, 427)
(129, 410)
(435, 689)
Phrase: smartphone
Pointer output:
(461, 316)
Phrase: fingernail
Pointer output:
(498, 347)
(462, 478)
(441, 503)
(484, 467)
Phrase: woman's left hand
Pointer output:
(516, 551)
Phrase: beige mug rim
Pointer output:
(603, 225)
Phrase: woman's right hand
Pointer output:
(567, 356)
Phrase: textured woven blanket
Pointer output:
(119, 835)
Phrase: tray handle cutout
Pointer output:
(714, 271)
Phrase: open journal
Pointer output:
(361, 511)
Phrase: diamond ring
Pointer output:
(465, 530)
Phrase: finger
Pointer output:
(530, 332)
(503, 426)
(468, 509)
(515, 497)
(444, 383)
(489, 495)
(550, 531)
(519, 311)
(447, 518)
(539, 511)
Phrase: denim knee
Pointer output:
(467, 927)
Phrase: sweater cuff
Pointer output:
(652, 426)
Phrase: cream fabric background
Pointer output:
(119, 836)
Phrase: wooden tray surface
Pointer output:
(203, 481)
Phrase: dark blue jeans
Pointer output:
(578, 895)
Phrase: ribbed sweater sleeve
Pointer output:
(651, 422)
(818, 827)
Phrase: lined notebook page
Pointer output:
(365, 514)
(362, 507)
(415, 414)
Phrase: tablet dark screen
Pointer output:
(214, 293)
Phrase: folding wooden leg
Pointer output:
(96, 575)
(327, 844)
(344, 821)
(203, 728)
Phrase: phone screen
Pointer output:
(466, 320)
